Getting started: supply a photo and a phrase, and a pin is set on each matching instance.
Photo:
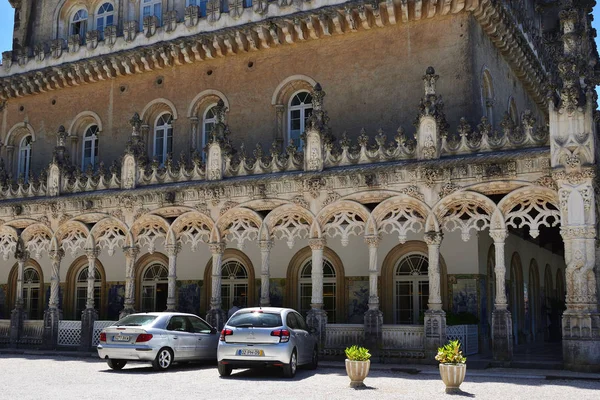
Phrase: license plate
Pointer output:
(250, 352)
(120, 338)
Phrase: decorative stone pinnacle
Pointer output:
(61, 136)
(429, 79)
(136, 123)
(317, 97)
(220, 111)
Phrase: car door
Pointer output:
(183, 342)
(294, 326)
(206, 339)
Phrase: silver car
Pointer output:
(160, 338)
(265, 337)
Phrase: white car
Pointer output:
(266, 337)
(161, 338)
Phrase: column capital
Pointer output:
(433, 238)
(173, 249)
(131, 251)
(265, 245)
(373, 240)
(56, 255)
(317, 244)
(498, 235)
(217, 247)
(92, 253)
(578, 232)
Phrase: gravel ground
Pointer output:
(58, 377)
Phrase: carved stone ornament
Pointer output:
(192, 16)
(301, 201)
(261, 6)
(236, 8)
(331, 198)
(213, 10)
(575, 177)
(447, 189)
(317, 244)
(314, 186)
(413, 191)
(228, 205)
(546, 181)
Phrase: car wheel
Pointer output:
(163, 360)
(116, 364)
(314, 362)
(224, 369)
(289, 370)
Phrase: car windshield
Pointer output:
(136, 320)
(256, 319)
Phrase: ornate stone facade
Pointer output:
(342, 226)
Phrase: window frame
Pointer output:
(94, 139)
(153, 7)
(415, 282)
(205, 122)
(303, 116)
(153, 283)
(232, 284)
(24, 159)
(83, 23)
(83, 285)
(167, 138)
(104, 16)
(28, 288)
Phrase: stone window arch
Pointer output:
(75, 297)
(151, 115)
(202, 118)
(163, 137)
(235, 264)
(299, 284)
(400, 259)
(24, 159)
(282, 99)
(33, 289)
(13, 141)
(487, 95)
(80, 126)
(105, 16)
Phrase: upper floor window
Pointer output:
(151, 7)
(104, 17)
(208, 123)
(90, 147)
(25, 156)
(79, 23)
(298, 112)
(163, 137)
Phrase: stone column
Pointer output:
(502, 331)
(216, 316)
(373, 316)
(10, 153)
(52, 314)
(172, 250)
(18, 314)
(194, 122)
(265, 253)
(435, 317)
(317, 317)
(280, 125)
(131, 254)
(89, 315)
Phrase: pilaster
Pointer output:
(265, 253)
(373, 316)
(216, 316)
(435, 317)
(131, 253)
(317, 317)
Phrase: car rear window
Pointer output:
(257, 319)
(136, 320)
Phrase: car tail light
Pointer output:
(284, 335)
(225, 332)
(143, 337)
(103, 337)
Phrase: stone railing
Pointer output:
(340, 336)
(4, 331)
(69, 333)
(33, 332)
(403, 337)
(467, 335)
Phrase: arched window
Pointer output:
(150, 7)
(299, 110)
(80, 297)
(234, 284)
(208, 123)
(487, 96)
(154, 288)
(105, 17)
(31, 293)
(90, 147)
(411, 289)
(329, 289)
(25, 157)
(163, 137)
(79, 23)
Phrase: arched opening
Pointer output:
(163, 137)
(90, 147)
(150, 8)
(32, 292)
(24, 165)
(75, 298)
(299, 109)
(79, 24)
(209, 119)
(154, 287)
(104, 17)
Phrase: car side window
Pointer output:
(301, 322)
(178, 324)
(291, 321)
(199, 326)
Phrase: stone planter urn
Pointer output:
(452, 376)
(357, 372)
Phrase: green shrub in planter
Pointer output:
(356, 353)
(450, 353)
